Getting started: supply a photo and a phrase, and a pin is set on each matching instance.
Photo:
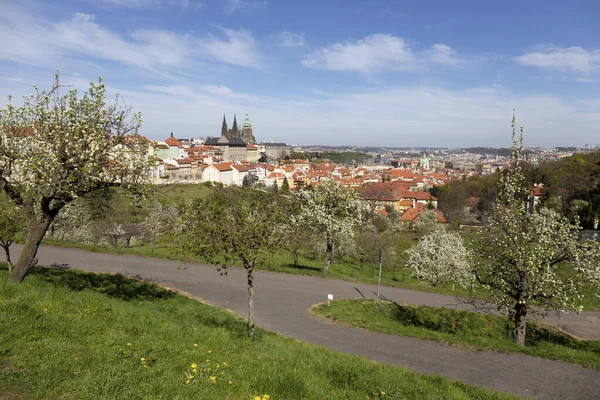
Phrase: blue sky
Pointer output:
(371, 72)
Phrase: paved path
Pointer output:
(282, 300)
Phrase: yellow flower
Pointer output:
(143, 359)
(210, 351)
(266, 397)
(218, 366)
(207, 361)
(187, 382)
(191, 376)
(193, 369)
(225, 364)
(382, 393)
(145, 366)
(194, 365)
(213, 379)
(129, 345)
(195, 344)
(229, 381)
(257, 398)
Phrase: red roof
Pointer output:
(171, 141)
(222, 167)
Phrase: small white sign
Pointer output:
(329, 297)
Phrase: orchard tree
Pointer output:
(531, 261)
(56, 147)
(235, 225)
(161, 218)
(440, 258)
(329, 210)
(428, 223)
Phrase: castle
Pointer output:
(233, 133)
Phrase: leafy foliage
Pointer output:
(234, 224)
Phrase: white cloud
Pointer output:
(239, 48)
(244, 5)
(36, 41)
(183, 4)
(373, 53)
(381, 52)
(218, 89)
(444, 55)
(289, 39)
(572, 59)
(402, 116)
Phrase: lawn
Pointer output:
(75, 335)
(461, 328)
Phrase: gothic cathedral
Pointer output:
(245, 134)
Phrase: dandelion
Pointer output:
(257, 398)
(193, 369)
(213, 379)
(145, 366)
(187, 382)
(143, 359)
(266, 397)
(225, 364)
(191, 376)
(129, 344)
(194, 365)
(195, 344)
(382, 393)
(217, 366)
(210, 351)
(229, 381)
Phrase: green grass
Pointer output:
(177, 191)
(462, 328)
(75, 335)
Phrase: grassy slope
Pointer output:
(464, 328)
(66, 334)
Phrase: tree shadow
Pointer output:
(115, 286)
(303, 267)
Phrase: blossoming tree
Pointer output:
(440, 258)
(56, 147)
(531, 260)
(329, 210)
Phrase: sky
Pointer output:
(337, 72)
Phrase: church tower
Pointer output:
(247, 135)
(224, 127)
(234, 129)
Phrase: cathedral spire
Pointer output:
(234, 128)
(224, 127)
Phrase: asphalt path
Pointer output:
(282, 301)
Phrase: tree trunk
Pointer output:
(36, 229)
(328, 256)
(520, 319)
(251, 327)
(153, 242)
(6, 248)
